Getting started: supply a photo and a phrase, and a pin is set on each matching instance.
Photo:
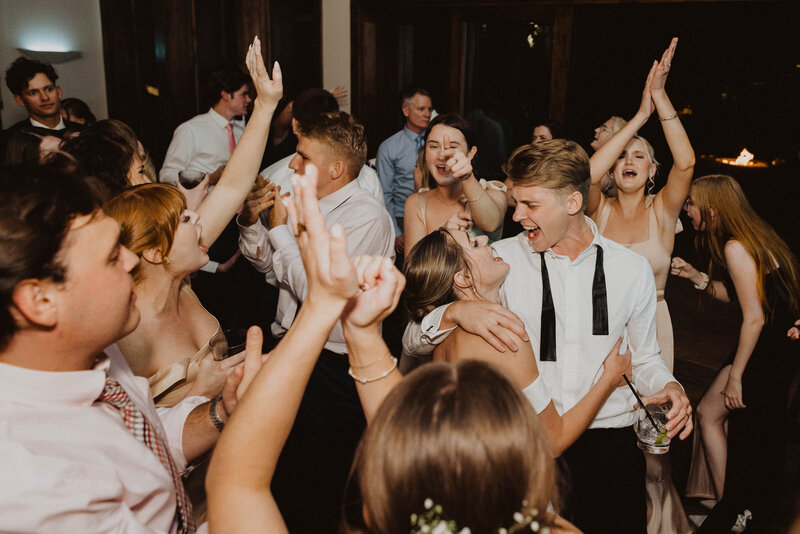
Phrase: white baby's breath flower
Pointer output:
(441, 528)
(535, 526)
(502, 531)
(428, 504)
(518, 517)
(465, 530)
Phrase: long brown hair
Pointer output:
(462, 436)
(148, 216)
(429, 269)
(727, 215)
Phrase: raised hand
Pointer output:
(663, 66)
(682, 268)
(381, 286)
(332, 278)
(646, 106)
(269, 90)
(243, 373)
(459, 165)
(339, 92)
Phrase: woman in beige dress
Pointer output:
(646, 223)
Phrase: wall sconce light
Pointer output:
(47, 56)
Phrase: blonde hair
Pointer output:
(728, 215)
(558, 164)
(463, 436)
(617, 123)
(148, 216)
(342, 133)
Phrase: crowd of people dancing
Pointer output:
(526, 362)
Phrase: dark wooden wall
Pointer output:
(159, 53)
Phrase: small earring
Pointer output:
(166, 260)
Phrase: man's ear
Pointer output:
(34, 299)
(406, 110)
(337, 169)
(574, 202)
(294, 125)
(19, 101)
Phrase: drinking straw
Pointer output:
(639, 399)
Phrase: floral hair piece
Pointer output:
(431, 522)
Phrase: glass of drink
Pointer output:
(650, 439)
(190, 178)
(228, 343)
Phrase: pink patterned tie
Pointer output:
(142, 430)
(231, 138)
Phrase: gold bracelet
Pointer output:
(382, 359)
(664, 119)
(483, 192)
(368, 380)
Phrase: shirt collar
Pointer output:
(38, 124)
(218, 119)
(597, 239)
(331, 202)
(47, 388)
(411, 134)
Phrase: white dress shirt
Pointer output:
(274, 252)
(580, 354)
(280, 174)
(200, 144)
(69, 464)
(59, 126)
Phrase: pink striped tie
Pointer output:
(231, 138)
(140, 427)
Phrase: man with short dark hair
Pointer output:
(82, 448)
(577, 293)
(33, 85)
(205, 142)
(317, 457)
(397, 156)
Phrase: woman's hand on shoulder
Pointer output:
(270, 90)
(332, 278)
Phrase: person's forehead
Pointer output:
(243, 89)
(438, 132)
(537, 193)
(93, 234)
(421, 100)
(39, 80)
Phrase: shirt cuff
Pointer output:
(538, 394)
(173, 420)
(281, 237)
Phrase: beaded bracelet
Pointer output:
(368, 380)
(673, 116)
(704, 284)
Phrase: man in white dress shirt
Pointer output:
(205, 142)
(316, 459)
(82, 448)
(309, 103)
(598, 292)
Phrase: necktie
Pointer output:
(420, 141)
(547, 340)
(140, 427)
(231, 138)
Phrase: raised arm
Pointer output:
(373, 367)
(486, 207)
(680, 175)
(238, 481)
(240, 173)
(605, 156)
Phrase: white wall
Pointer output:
(55, 25)
(336, 46)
